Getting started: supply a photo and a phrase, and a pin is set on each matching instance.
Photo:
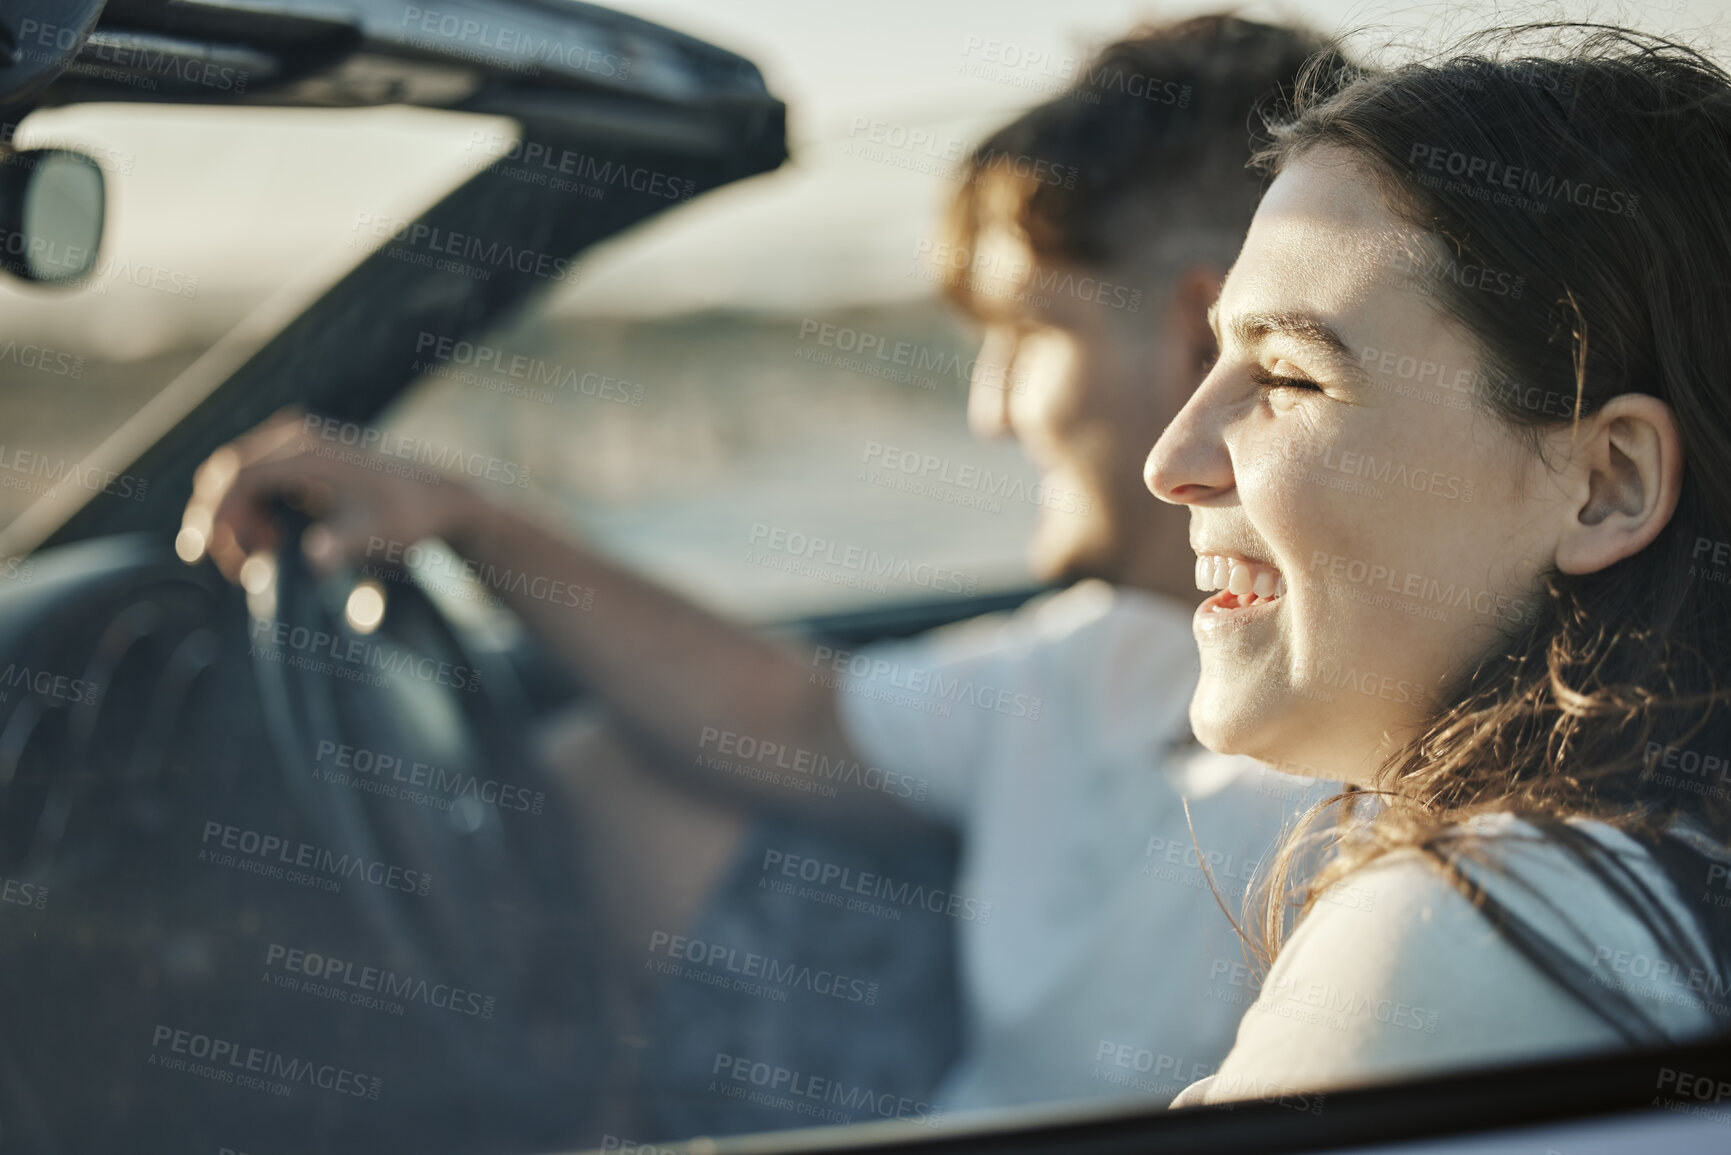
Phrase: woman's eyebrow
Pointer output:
(1250, 329)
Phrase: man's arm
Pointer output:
(680, 680)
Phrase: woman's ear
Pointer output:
(1624, 479)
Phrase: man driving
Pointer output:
(1093, 955)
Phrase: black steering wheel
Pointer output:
(256, 822)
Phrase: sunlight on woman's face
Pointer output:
(1333, 454)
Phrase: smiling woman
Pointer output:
(1453, 476)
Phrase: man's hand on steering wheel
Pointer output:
(351, 494)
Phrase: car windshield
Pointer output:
(733, 676)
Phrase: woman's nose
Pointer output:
(1190, 462)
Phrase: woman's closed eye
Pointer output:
(1268, 379)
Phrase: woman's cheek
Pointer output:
(1284, 486)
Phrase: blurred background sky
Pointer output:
(245, 200)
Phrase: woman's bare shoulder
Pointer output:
(1396, 972)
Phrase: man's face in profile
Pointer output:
(1085, 381)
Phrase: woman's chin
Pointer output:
(1223, 728)
(1252, 719)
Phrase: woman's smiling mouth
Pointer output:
(1242, 583)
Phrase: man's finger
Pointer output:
(226, 553)
(223, 526)
(217, 472)
(242, 519)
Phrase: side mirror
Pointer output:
(51, 209)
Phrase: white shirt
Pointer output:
(1420, 981)
(1050, 738)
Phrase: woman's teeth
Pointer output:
(1252, 582)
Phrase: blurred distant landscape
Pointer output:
(665, 439)
(64, 412)
(747, 420)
